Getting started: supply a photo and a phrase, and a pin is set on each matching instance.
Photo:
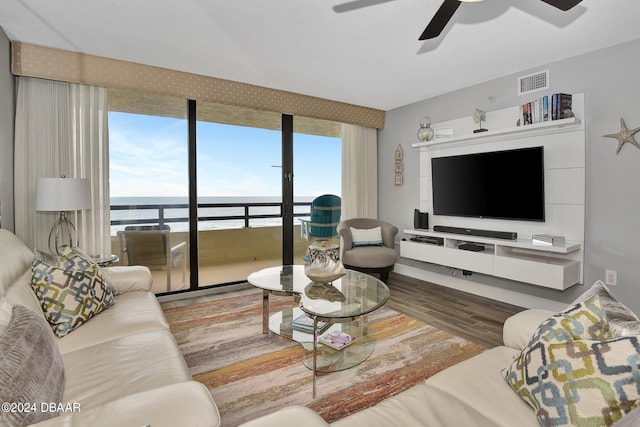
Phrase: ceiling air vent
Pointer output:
(533, 82)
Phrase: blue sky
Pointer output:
(148, 157)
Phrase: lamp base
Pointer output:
(63, 234)
(480, 130)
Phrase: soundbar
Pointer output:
(505, 235)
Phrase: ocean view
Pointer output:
(183, 212)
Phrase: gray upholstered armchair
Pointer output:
(368, 250)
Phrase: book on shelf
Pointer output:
(555, 107)
(337, 339)
(564, 106)
(304, 323)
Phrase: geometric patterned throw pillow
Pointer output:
(622, 321)
(579, 321)
(69, 297)
(574, 373)
(76, 259)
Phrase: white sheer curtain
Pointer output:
(61, 129)
(359, 172)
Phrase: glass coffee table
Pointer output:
(341, 305)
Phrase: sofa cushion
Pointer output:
(31, 368)
(69, 297)
(289, 416)
(519, 328)
(573, 373)
(366, 237)
(622, 321)
(370, 256)
(21, 293)
(5, 314)
(110, 370)
(187, 403)
(470, 393)
(15, 259)
(129, 278)
(133, 313)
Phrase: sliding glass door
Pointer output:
(149, 186)
(317, 159)
(239, 173)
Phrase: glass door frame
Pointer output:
(287, 196)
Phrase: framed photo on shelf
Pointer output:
(441, 133)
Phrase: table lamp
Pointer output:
(62, 195)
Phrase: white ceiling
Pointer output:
(368, 56)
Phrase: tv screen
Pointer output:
(499, 184)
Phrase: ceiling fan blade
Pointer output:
(356, 4)
(563, 4)
(440, 19)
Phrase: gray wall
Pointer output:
(7, 117)
(609, 79)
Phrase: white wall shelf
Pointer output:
(556, 267)
(539, 128)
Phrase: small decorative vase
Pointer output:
(425, 133)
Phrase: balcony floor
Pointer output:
(213, 275)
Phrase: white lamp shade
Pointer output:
(62, 194)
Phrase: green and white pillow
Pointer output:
(574, 372)
(71, 292)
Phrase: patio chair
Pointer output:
(150, 245)
(325, 216)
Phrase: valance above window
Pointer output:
(55, 64)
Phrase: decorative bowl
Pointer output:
(324, 273)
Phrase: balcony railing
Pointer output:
(234, 238)
(243, 214)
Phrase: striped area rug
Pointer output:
(250, 374)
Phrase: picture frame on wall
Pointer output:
(399, 153)
(398, 168)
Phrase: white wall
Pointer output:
(7, 117)
(608, 78)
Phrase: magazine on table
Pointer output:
(337, 339)
(304, 323)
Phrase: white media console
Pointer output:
(519, 260)
(557, 267)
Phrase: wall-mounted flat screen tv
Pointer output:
(498, 184)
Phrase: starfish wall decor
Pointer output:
(625, 135)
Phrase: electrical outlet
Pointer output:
(610, 277)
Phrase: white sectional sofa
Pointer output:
(474, 393)
(121, 368)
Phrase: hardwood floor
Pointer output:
(475, 318)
